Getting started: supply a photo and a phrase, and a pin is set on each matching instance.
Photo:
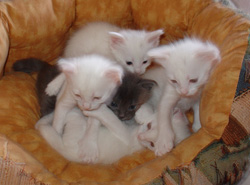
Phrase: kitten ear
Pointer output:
(160, 55)
(114, 74)
(116, 39)
(147, 84)
(154, 37)
(210, 53)
(67, 67)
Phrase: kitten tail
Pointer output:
(28, 65)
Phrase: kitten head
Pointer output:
(188, 64)
(130, 48)
(92, 79)
(150, 131)
(133, 92)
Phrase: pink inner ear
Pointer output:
(116, 39)
(114, 75)
(154, 37)
(67, 68)
(211, 56)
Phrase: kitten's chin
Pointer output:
(190, 94)
(125, 118)
(89, 108)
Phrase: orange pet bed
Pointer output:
(40, 29)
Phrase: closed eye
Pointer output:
(174, 81)
(193, 80)
(129, 63)
(97, 98)
(78, 95)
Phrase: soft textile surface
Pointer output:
(40, 28)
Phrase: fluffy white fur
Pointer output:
(127, 47)
(186, 67)
(90, 81)
(110, 148)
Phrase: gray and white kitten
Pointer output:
(129, 97)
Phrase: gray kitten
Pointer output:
(129, 97)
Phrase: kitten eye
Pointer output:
(129, 63)
(144, 62)
(132, 107)
(113, 104)
(97, 98)
(78, 95)
(174, 81)
(193, 80)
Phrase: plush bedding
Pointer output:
(40, 29)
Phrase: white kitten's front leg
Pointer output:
(88, 146)
(144, 114)
(63, 105)
(165, 140)
(196, 124)
(55, 85)
(110, 120)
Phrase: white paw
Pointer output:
(59, 129)
(143, 117)
(55, 85)
(52, 89)
(38, 125)
(88, 151)
(148, 132)
(196, 126)
(45, 120)
(164, 144)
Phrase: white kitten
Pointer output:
(187, 65)
(110, 147)
(179, 124)
(127, 47)
(90, 81)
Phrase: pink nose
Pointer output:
(184, 91)
(138, 71)
(86, 106)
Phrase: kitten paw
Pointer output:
(149, 133)
(88, 151)
(59, 129)
(51, 90)
(45, 120)
(55, 85)
(196, 126)
(164, 145)
(144, 115)
(39, 124)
